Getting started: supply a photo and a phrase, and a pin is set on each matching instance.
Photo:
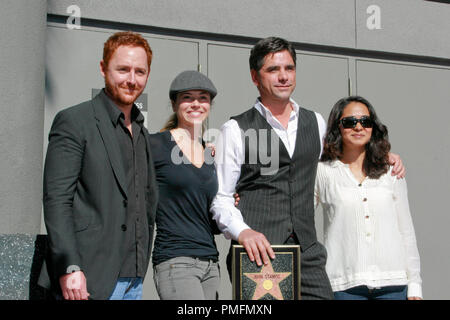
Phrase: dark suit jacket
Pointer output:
(85, 196)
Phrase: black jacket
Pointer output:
(85, 196)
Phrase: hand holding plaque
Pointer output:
(277, 280)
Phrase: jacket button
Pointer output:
(124, 227)
(125, 203)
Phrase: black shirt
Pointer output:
(183, 221)
(135, 163)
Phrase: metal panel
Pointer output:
(321, 81)
(228, 68)
(413, 101)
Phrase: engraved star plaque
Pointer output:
(267, 282)
(279, 280)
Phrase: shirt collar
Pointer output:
(336, 163)
(136, 115)
(115, 114)
(267, 114)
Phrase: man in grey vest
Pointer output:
(274, 179)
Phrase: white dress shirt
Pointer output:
(230, 156)
(368, 230)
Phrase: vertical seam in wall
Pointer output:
(356, 29)
(356, 76)
(199, 58)
(349, 78)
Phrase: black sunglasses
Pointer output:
(351, 122)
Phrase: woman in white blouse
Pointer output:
(368, 230)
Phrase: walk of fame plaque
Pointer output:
(278, 280)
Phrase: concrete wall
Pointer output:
(22, 68)
(415, 27)
(296, 20)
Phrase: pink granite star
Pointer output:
(267, 282)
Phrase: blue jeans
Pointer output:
(364, 293)
(127, 289)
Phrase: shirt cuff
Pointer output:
(415, 290)
(236, 227)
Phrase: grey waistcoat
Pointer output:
(282, 202)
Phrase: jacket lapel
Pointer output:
(108, 135)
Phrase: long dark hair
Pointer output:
(377, 149)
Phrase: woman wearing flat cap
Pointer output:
(185, 257)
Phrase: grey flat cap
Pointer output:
(191, 80)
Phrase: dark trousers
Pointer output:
(314, 282)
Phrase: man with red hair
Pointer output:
(100, 191)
